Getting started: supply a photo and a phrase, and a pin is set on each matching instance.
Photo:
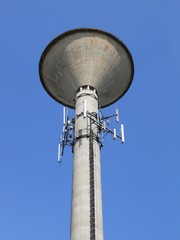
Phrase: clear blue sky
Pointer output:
(141, 179)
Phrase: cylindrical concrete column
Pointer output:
(86, 213)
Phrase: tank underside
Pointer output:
(86, 57)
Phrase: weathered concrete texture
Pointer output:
(86, 57)
(80, 215)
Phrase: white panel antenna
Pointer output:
(114, 135)
(117, 115)
(59, 153)
(122, 133)
(104, 125)
(85, 108)
(65, 113)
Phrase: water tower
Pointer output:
(87, 70)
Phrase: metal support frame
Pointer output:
(68, 138)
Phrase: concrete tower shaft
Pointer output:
(86, 213)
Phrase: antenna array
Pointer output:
(67, 138)
(68, 135)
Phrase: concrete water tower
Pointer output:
(86, 69)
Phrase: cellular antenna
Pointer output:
(117, 115)
(64, 117)
(84, 107)
(85, 69)
(59, 153)
(122, 133)
(114, 134)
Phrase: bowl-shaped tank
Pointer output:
(86, 57)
